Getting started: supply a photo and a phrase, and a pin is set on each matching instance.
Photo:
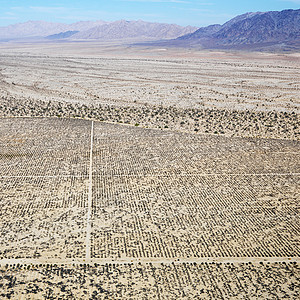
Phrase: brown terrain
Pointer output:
(148, 173)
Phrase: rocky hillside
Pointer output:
(271, 26)
(202, 32)
(268, 29)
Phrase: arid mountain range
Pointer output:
(134, 29)
(273, 30)
(87, 30)
(39, 29)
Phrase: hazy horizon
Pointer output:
(181, 12)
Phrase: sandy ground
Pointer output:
(115, 75)
(205, 207)
(216, 215)
(227, 93)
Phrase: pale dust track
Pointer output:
(89, 208)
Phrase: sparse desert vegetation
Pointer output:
(164, 206)
(198, 198)
(255, 96)
(151, 281)
(212, 121)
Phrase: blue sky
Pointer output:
(182, 12)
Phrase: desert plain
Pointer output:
(134, 172)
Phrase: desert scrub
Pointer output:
(229, 122)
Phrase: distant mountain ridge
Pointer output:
(202, 32)
(94, 30)
(272, 30)
(43, 29)
(135, 29)
(260, 29)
